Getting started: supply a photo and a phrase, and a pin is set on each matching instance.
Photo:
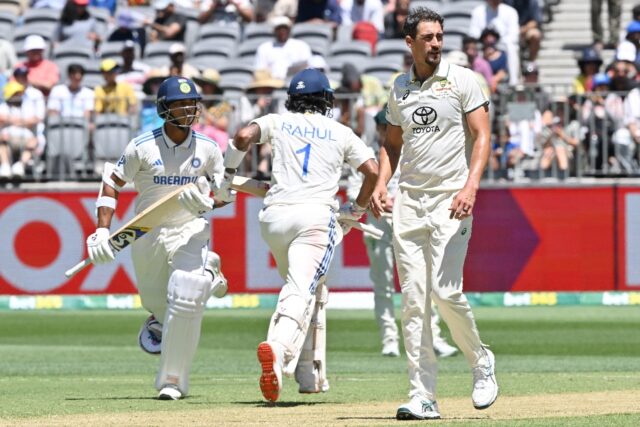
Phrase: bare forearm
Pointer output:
(370, 171)
(479, 159)
(105, 214)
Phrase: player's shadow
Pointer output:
(281, 404)
(112, 398)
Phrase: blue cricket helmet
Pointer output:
(175, 89)
(310, 80)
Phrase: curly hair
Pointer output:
(319, 102)
(418, 15)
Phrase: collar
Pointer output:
(442, 71)
(186, 144)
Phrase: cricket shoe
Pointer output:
(309, 378)
(391, 349)
(485, 386)
(170, 392)
(219, 284)
(443, 349)
(418, 408)
(150, 336)
(271, 378)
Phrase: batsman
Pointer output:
(300, 222)
(175, 272)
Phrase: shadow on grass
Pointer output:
(283, 404)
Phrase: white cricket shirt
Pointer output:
(437, 142)
(308, 153)
(156, 165)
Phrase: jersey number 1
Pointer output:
(305, 163)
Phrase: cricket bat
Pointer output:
(139, 225)
(260, 188)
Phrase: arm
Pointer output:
(245, 12)
(105, 214)
(478, 122)
(389, 157)
(236, 150)
(370, 171)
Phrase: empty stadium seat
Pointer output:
(307, 31)
(222, 49)
(219, 32)
(111, 135)
(255, 30)
(114, 50)
(248, 48)
(7, 24)
(41, 16)
(67, 145)
(393, 47)
(352, 49)
(11, 6)
(71, 50)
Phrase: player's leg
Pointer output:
(450, 241)
(381, 272)
(411, 247)
(311, 367)
(440, 344)
(213, 267)
(188, 290)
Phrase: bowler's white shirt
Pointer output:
(308, 153)
(437, 142)
(156, 165)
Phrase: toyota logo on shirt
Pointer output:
(424, 116)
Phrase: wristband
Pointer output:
(233, 157)
(106, 202)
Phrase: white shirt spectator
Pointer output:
(370, 11)
(70, 104)
(280, 58)
(503, 19)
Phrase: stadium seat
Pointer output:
(114, 50)
(71, 50)
(234, 83)
(456, 24)
(7, 23)
(41, 16)
(307, 31)
(392, 47)
(351, 49)
(248, 48)
(235, 67)
(222, 49)
(219, 32)
(11, 6)
(111, 135)
(382, 70)
(45, 29)
(254, 30)
(319, 46)
(335, 63)
(452, 41)
(67, 145)
(344, 33)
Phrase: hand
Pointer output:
(350, 212)
(223, 192)
(100, 251)
(378, 200)
(463, 202)
(194, 201)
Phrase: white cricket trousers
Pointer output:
(430, 250)
(381, 273)
(163, 250)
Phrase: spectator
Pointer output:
(503, 19)
(167, 25)
(214, 120)
(109, 5)
(114, 97)
(77, 24)
(18, 123)
(132, 71)
(496, 58)
(34, 102)
(622, 75)
(458, 57)
(559, 137)
(177, 65)
(530, 76)
(629, 49)
(226, 11)
(614, 12)
(478, 63)
(43, 74)
(530, 21)
(283, 56)
(589, 63)
(149, 118)
(48, 4)
(394, 21)
(8, 58)
(372, 11)
(129, 26)
(632, 118)
(288, 8)
(72, 99)
(319, 11)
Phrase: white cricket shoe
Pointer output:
(17, 170)
(443, 349)
(219, 285)
(485, 386)
(170, 392)
(307, 376)
(5, 171)
(271, 378)
(418, 408)
(391, 349)
(150, 336)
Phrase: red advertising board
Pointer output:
(533, 239)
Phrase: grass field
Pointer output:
(556, 366)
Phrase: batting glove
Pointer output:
(350, 212)
(100, 251)
(195, 202)
(223, 192)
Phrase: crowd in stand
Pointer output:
(92, 63)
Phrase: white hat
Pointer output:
(458, 57)
(317, 61)
(161, 4)
(177, 48)
(626, 52)
(34, 42)
(279, 21)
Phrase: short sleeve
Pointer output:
(392, 114)
(470, 91)
(267, 124)
(356, 151)
(129, 163)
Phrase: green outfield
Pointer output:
(576, 365)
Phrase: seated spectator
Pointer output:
(48, 4)
(632, 119)
(132, 71)
(109, 5)
(214, 119)
(630, 47)
(167, 25)
(114, 97)
(496, 58)
(149, 119)
(226, 11)
(71, 99)
(283, 56)
(129, 26)
(372, 11)
(589, 63)
(478, 63)
(288, 8)
(530, 80)
(34, 102)
(503, 19)
(177, 65)
(77, 24)
(559, 137)
(371, 91)
(18, 131)
(622, 75)
(394, 21)
(319, 11)
(530, 21)
(43, 74)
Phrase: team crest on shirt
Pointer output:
(196, 162)
(443, 88)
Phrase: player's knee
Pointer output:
(295, 307)
(188, 292)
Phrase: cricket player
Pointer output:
(175, 273)
(381, 264)
(299, 222)
(438, 119)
